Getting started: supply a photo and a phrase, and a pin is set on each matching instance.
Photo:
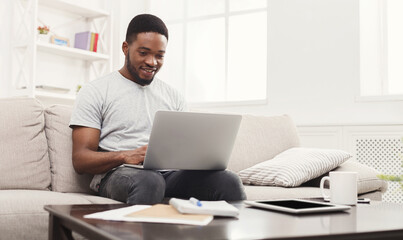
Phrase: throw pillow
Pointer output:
(293, 167)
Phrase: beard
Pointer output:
(133, 73)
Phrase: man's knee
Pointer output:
(148, 179)
(135, 186)
(231, 187)
(147, 187)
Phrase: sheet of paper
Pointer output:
(117, 214)
(159, 213)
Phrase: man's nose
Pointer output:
(151, 61)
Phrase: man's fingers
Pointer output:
(144, 149)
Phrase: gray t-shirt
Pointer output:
(123, 110)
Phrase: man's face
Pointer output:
(145, 56)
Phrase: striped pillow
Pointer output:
(293, 167)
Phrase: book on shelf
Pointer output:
(86, 41)
(92, 41)
(82, 40)
(96, 42)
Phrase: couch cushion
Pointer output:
(270, 192)
(260, 138)
(267, 193)
(32, 201)
(22, 215)
(24, 161)
(293, 167)
(58, 133)
(95, 199)
(367, 178)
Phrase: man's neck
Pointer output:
(125, 73)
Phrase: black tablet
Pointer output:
(297, 206)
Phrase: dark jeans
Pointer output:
(139, 186)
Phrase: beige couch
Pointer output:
(36, 168)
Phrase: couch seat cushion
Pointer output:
(32, 201)
(269, 192)
(22, 215)
(95, 199)
(24, 161)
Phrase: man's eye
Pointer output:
(160, 56)
(142, 53)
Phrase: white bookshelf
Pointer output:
(70, 52)
(28, 51)
(48, 94)
(74, 8)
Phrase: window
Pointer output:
(217, 50)
(381, 47)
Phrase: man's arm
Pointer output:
(86, 158)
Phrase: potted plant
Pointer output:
(43, 33)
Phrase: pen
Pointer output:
(195, 202)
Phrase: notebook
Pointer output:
(191, 141)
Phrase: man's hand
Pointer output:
(135, 156)
(87, 159)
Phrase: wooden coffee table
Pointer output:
(365, 221)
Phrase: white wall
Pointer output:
(313, 62)
(5, 74)
(123, 14)
(314, 66)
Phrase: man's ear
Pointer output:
(125, 47)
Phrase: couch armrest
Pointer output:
(367, 177)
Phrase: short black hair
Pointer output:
(145, 23)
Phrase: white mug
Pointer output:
(343, 187)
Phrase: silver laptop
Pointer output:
(191, 141)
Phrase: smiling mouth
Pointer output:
(149, 70)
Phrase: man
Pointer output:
(112, 121)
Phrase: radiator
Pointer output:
(383, 154)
